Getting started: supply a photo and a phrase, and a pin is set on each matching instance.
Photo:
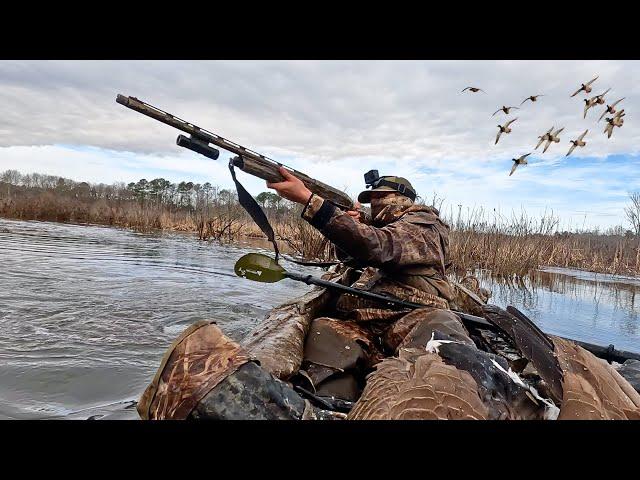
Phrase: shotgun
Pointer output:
(247, 160)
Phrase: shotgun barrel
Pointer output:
(246, 160)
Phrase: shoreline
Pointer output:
(260, 241)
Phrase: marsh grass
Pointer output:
(520, 244)
(506, 246)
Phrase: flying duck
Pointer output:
(504, 109)
(600, 98)
(473, 89)
(588, 103)
(533, 98)
(553, 137)
(504, 129)
(577, 143)
(543, 138)
(610, 108)
(585, 86)
(615, 121)
(522, 160)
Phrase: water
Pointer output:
(86, 312)
(592, 307)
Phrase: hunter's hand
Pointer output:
(355, 213)
(291, 188)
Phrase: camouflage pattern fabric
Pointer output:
(198, 360)
(411, 252)
(362, 309)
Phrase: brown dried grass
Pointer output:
(505, 246)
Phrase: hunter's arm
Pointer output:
(395, 245)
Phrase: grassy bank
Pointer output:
(516, 245)
(504, 245)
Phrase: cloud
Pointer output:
(403, 117)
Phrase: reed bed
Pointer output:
(517, 245)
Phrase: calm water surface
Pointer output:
(596, 308)
(86, 312)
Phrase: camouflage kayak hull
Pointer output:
(278, 371)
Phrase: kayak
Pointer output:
(278, 341)
(283, 370)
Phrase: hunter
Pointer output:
(403, 252)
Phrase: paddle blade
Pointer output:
(260, 268)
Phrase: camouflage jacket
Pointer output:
(409, 256)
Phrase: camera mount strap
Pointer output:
(399, 187)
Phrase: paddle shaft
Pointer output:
(391, 302)
(609, 353)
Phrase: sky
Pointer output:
(334, 120)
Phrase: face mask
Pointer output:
(388, 208)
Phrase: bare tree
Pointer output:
(633, 212)
(10, 177)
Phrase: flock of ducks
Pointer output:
(551, 135)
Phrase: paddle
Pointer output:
(262, 268)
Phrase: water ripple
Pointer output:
(87, 312)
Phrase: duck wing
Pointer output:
(546, 146)
(498, 136)
(591, 81)
(528, 98)
(587, 106)
(604, 93)
(466, 88)
(583, 134)
(532, 342)
(573, 146)
(557, 132)
(513, 168)
(608, 130)
(606, 110)
(617, 102)
(577, 91)
(524, 156)
(503, 393)
(496, 112)
(510, 122)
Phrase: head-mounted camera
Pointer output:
(385, 184)
(371, 178)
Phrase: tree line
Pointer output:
(185, 195)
